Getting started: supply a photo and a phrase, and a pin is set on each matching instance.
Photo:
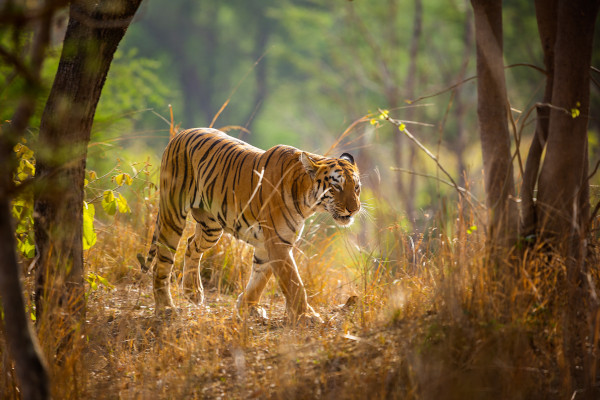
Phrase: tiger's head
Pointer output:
(336, 185)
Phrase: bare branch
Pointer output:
(403, 129)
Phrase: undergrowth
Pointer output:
(408, 316)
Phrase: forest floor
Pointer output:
(439, 323)
(209, 352)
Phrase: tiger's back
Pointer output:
(237, 183)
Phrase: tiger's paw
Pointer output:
(254, 313)
(258, 313)
(167, 313)
(308, 319)
(194, 296)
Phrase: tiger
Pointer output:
(261, 197)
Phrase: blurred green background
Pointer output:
(300, 72)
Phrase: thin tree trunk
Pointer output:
(30, 365)
(93, 34)
(405, 184)
(546, 19)
(20, 337)
(563, 193)
(563, 189)
(492, 113)
(263, 32)
(460, 109)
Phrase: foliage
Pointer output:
(22, 205)
(112, 200)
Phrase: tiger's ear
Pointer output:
(348, 157)
(309, 164)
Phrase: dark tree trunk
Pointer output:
(93, 34)
(30, 365)
(20, 338)
(492, 113)
(546, 19)
(562, 207)
(563, 193)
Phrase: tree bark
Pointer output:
(460, 109)
(20, 337)
(563, 193)
(93, 34)
(30, 365)
(492, 113)
(547, 23)
(405, 155)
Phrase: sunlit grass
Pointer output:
(408, 316)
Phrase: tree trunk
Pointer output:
(546, 19)
(30, 365)
(261, 39)
(406, 184)
(563, 193)
(492, 113)
(20, 338)
(93, 34)
(460, 109)
(562, 207)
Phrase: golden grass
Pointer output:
(433, 319)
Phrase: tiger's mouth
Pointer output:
(343, 220)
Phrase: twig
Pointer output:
(460, 83)
(437, 178)
(594, 171)
(19, 66)
(597, 208)
(399, 124)
(517, 137)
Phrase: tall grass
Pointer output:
(429, 317)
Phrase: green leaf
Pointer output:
(26, 247)
(122, 205)
(89, 233)
(109, 202)
(105, 282)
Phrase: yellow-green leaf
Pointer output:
(109, 202)
(123, 179)
(89, 233)
(122, 205)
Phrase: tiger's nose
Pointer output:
(353, 208)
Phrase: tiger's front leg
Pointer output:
(259, 277)
(285, 270)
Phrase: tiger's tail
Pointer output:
(145, 263)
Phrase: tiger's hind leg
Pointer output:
(207, 234)
(168, 236)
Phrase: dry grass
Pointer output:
(433, 319)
